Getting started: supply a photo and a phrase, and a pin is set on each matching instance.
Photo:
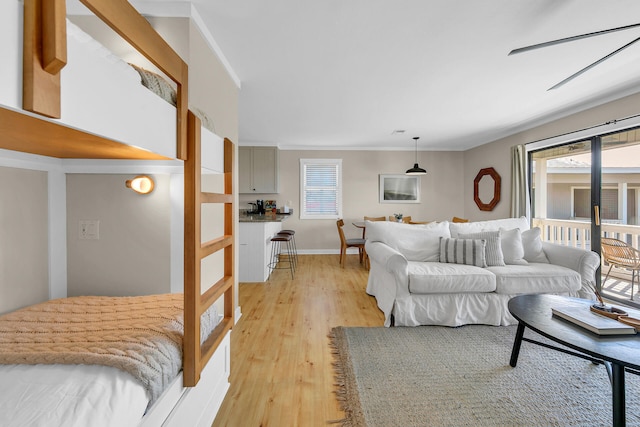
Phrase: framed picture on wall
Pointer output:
(399, 189)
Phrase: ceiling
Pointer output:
(346, 74)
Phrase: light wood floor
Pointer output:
(281, 363)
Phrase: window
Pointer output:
(320, 188)
(608, 203)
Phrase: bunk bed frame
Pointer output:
(27, 131)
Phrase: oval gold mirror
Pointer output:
(482, 187)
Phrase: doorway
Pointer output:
(587, 189)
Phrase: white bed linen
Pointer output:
(69, 396)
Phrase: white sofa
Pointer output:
(478, 274)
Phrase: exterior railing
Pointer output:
(578, 234)
(565, 232)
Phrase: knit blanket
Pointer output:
(140, 335)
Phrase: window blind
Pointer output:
(321, 188)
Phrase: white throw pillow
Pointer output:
(493, 250)
(512, 249)
(521, 223)
(532, 245)
(417, 242)
(463, 251)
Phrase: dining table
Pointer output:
(363, 226)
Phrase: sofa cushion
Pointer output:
(512, 249)
(535, 278)
(532, 245)
(438, 278)
(521, 223)
(493, 250)
(463, 251)
(417, 242)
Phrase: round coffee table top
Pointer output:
(535, 312)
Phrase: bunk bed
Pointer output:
(43, 127)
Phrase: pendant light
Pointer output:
(416, 170)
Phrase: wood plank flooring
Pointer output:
(281, 363)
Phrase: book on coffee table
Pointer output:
(595, 323)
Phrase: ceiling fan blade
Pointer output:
(572, 38)
(590, 66)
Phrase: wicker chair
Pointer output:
(618, 253)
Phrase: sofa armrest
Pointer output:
(388, 277)
(584, 262)
(392, 261)
(385, 255)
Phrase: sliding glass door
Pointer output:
(588, 189)
(620, 188)
(561, 181)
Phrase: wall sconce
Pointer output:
(142, 184)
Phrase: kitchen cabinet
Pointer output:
(255, 250)
(258, 169)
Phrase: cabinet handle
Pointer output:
(596, 210)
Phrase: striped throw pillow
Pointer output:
(493, 254)
(463, 251)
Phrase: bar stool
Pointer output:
(277, 246)
(292, 233)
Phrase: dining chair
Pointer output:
(372, 218)
(619, 253)
(349, 243)
(405, 219)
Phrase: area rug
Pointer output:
(440, 376)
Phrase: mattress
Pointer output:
(70, 396)
(105, 358)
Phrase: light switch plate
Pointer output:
(89, 230)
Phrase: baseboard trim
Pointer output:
(326, 251)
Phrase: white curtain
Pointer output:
(520, 201)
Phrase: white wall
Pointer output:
(498, 154)
(24, 273)
(441, 191)
(210, 87)
(132, 256)
(11, 49)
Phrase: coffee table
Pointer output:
(619, 353)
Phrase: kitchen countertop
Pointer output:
(263, 218)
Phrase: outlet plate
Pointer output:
(89, 229)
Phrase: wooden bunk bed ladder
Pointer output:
(53, 139)
(195, 355)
